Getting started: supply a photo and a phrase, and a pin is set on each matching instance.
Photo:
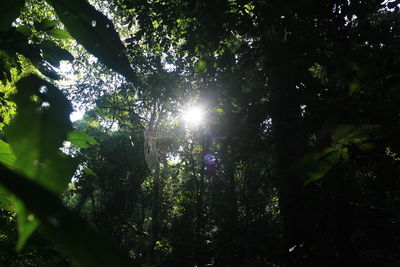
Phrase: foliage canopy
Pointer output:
(294, 161)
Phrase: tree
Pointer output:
(41, 103)
(297, 150)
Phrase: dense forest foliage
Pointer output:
(213, 133)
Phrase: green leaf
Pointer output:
(26, 223)
(58, 34)
(67, 230)
(200, 66)
(341, 133)
(321, 166)
(46, 25)
(95, 32)
(81, 140)
(7, 62)
(354, 87)
(21, 44)
(7, 156)
(318, 71)
(47, 70)
(54, 54)
(6, 200)
(25, 30)
(10, 10)
(35, 135)
(345, 134)
(89, 171)
(314, 165)
(38, 131)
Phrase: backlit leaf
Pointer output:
(95, 32)
(25, 30)
(35, 135)
(46, 25)
(66, 229)
(81, 140)
(58, 34)
(37, 132)
(54, 54)
(89, 171)
(26, 223)
(200, 66)
(21, 44)
(7, 156)
(6, 200)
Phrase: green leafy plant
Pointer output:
(33, 169)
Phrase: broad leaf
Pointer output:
(81, 140)
(25, 30)
(346, 134)
(6, 200)
(314, 165)
(95, 32)
(46, 25)
(66, 229)
(7, 156)
(54, 54)
(35, 135)
(26, 223)
(320, 167)
(21, 44)
(58, 34)
(37, 132)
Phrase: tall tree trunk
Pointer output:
(155, 214)
(199, 257)
(290, 144)
(231, 253)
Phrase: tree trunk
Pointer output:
(199, 256)
(155, 215)
(290, 144)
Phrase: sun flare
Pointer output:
(193, 115)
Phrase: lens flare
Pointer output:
(193, 116)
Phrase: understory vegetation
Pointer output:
(204, 133)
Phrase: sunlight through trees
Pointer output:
(199, 133)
